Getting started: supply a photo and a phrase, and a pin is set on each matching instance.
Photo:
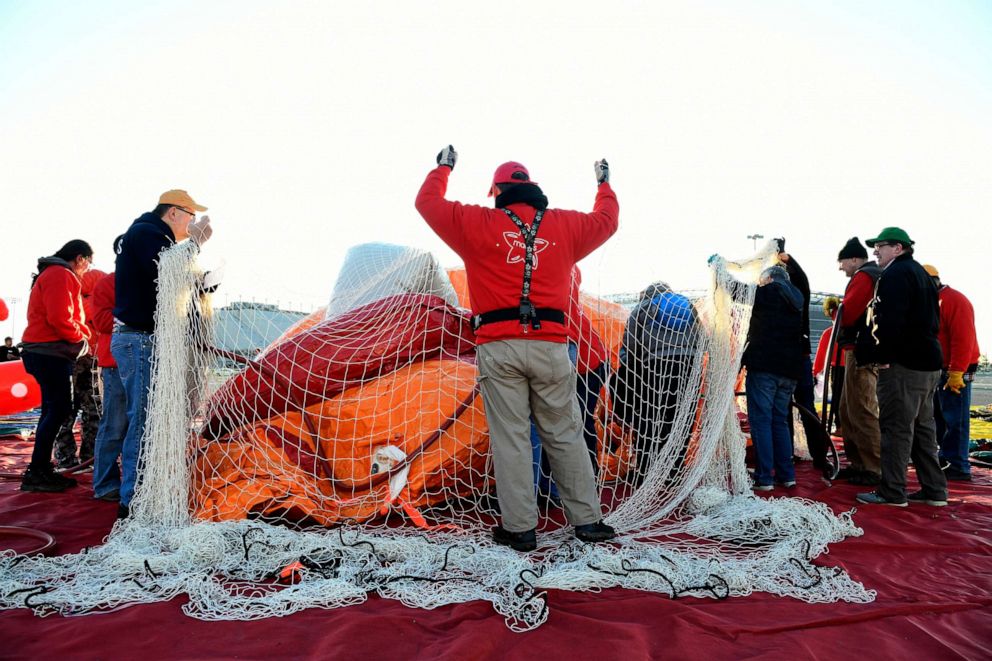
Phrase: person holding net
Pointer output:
(172, 221)
(656, 358)
(518, 261)
(774, 360)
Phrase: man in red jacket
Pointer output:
(518, 261)
(959, 344)
(859, 404)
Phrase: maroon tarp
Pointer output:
(931, 567)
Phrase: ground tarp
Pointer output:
(930, 566)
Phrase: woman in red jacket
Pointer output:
(56, 335)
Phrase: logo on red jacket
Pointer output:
(518, 249)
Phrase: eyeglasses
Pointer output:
(882, 244)
(185, 211)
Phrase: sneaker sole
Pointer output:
(931, 503)
(890, 504)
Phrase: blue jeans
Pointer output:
(110, 436)
(768, 397)
(54, 376)
(133, 353)
(954, 424)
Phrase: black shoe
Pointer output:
(58, 477)
(873, 498)
(111, 496)
(954, 475)
(847, 472)
(595, 532)
(123, 511)
(42, 480)
(518, 541)
(865, 479)
(920, 497)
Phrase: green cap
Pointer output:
(894, 234)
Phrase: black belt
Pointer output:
(120, 327)
(534, 317)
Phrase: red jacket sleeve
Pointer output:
(958, 323)
(591, 230)
(856, 299)
(64, 308)
(103, 304)
(443, 216)
(819, 363)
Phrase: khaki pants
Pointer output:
(521, 379)
(859, 415)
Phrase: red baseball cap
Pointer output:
(510, 172)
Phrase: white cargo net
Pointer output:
(351, 457)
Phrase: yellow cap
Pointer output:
(180, 198)
(932, 270)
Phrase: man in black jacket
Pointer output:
(904, 320)
(136, 276)
(774, 360)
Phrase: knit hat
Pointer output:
(510, 172)
(852, 248)
(891, 235)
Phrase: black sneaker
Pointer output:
(847, 472)
(42, 480)
(865, 479)
(518, 541)
(920, 497)
(59, 477)
(123, 511)
(873, 498)
(111, 496)
(595, 532)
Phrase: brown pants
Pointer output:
(859, 415)
(521, 379)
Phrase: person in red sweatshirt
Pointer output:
(859, 404)
(85, 396)
(114, 422)
(56, 335)
(952, 399)
(518, 262)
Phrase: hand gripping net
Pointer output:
(351, 456)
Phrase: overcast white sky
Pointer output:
(307, 127)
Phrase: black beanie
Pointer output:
(852, 248)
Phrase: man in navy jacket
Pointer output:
(172, 221)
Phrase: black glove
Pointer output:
(602, 171)
(447, 156)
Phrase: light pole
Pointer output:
(754, 238)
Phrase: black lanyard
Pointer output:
(528, 314)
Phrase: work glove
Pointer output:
(200, 230)
(447, 156)
(955, 382)
(602, 171)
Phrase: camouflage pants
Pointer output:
(86, 404)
